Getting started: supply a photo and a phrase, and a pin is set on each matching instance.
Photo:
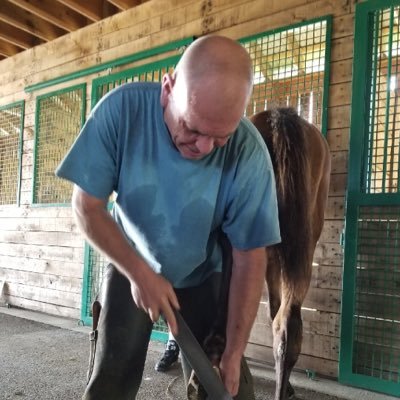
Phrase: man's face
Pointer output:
(195, 125)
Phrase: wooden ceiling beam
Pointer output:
(28, 22)
(8, 49)
(53, 12)
(17, 37)
(125, 4)
(93, 9)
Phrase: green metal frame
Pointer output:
(328, 20)
(20, 103)
(357, 195)
(86, 302)
(37, 127)
(111, 79)
(86, 319)
(112, 64)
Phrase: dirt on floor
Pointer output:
(40, 361)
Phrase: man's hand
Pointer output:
(155, 295)
(230, 372)
(247, 282)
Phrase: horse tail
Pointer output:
(284, 133)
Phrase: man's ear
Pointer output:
(166, 88)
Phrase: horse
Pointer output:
(302, 164)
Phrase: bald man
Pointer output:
(185, 166)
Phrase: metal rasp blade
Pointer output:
(199, 361)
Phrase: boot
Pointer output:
(169, 358)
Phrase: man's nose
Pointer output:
(205, 144)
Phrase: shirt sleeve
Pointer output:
(91, 163)
(251, 219)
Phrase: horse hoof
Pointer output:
(290, 392)
(194, 390)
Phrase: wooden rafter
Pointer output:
(125, 4)
(95, 10)
(17, 37)
(61, 16)
(8, 49)
(28, 22)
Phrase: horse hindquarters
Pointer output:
(297, 150)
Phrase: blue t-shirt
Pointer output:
(170, 208)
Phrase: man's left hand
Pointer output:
(230, 372)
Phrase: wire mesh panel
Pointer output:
(370, 333)
(382, 175)
(95, 263)
(291, 68)
(11, 127)
(148, 73)
(376, 350)
(59, 117)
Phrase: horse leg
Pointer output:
(287, 327)
(274, 285)
(287, 338)
(273, 280)
(286, 295)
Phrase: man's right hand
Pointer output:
(154, 295)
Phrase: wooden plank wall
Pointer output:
(41, 252)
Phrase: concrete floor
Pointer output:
(45, 358)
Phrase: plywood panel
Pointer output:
(314, 321)
(339, 94)
(62, 239)
(72, 269)
(342, 49)
(324, 367)
(45, 295)
(331, 232)
(39, 224)
(341, 71)
(339, 117)
(338, 138)
(42, 280)
(326, 277)
(335, 208)
(42, 251)
(285, 16)
(44, 307)
(338, 185)
(328, 254)
(313, 345)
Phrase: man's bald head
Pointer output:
(216, 56)
(214, 72)
(207, 95)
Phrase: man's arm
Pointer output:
(247, 282)
(150, 291)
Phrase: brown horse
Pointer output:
(301, 161)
